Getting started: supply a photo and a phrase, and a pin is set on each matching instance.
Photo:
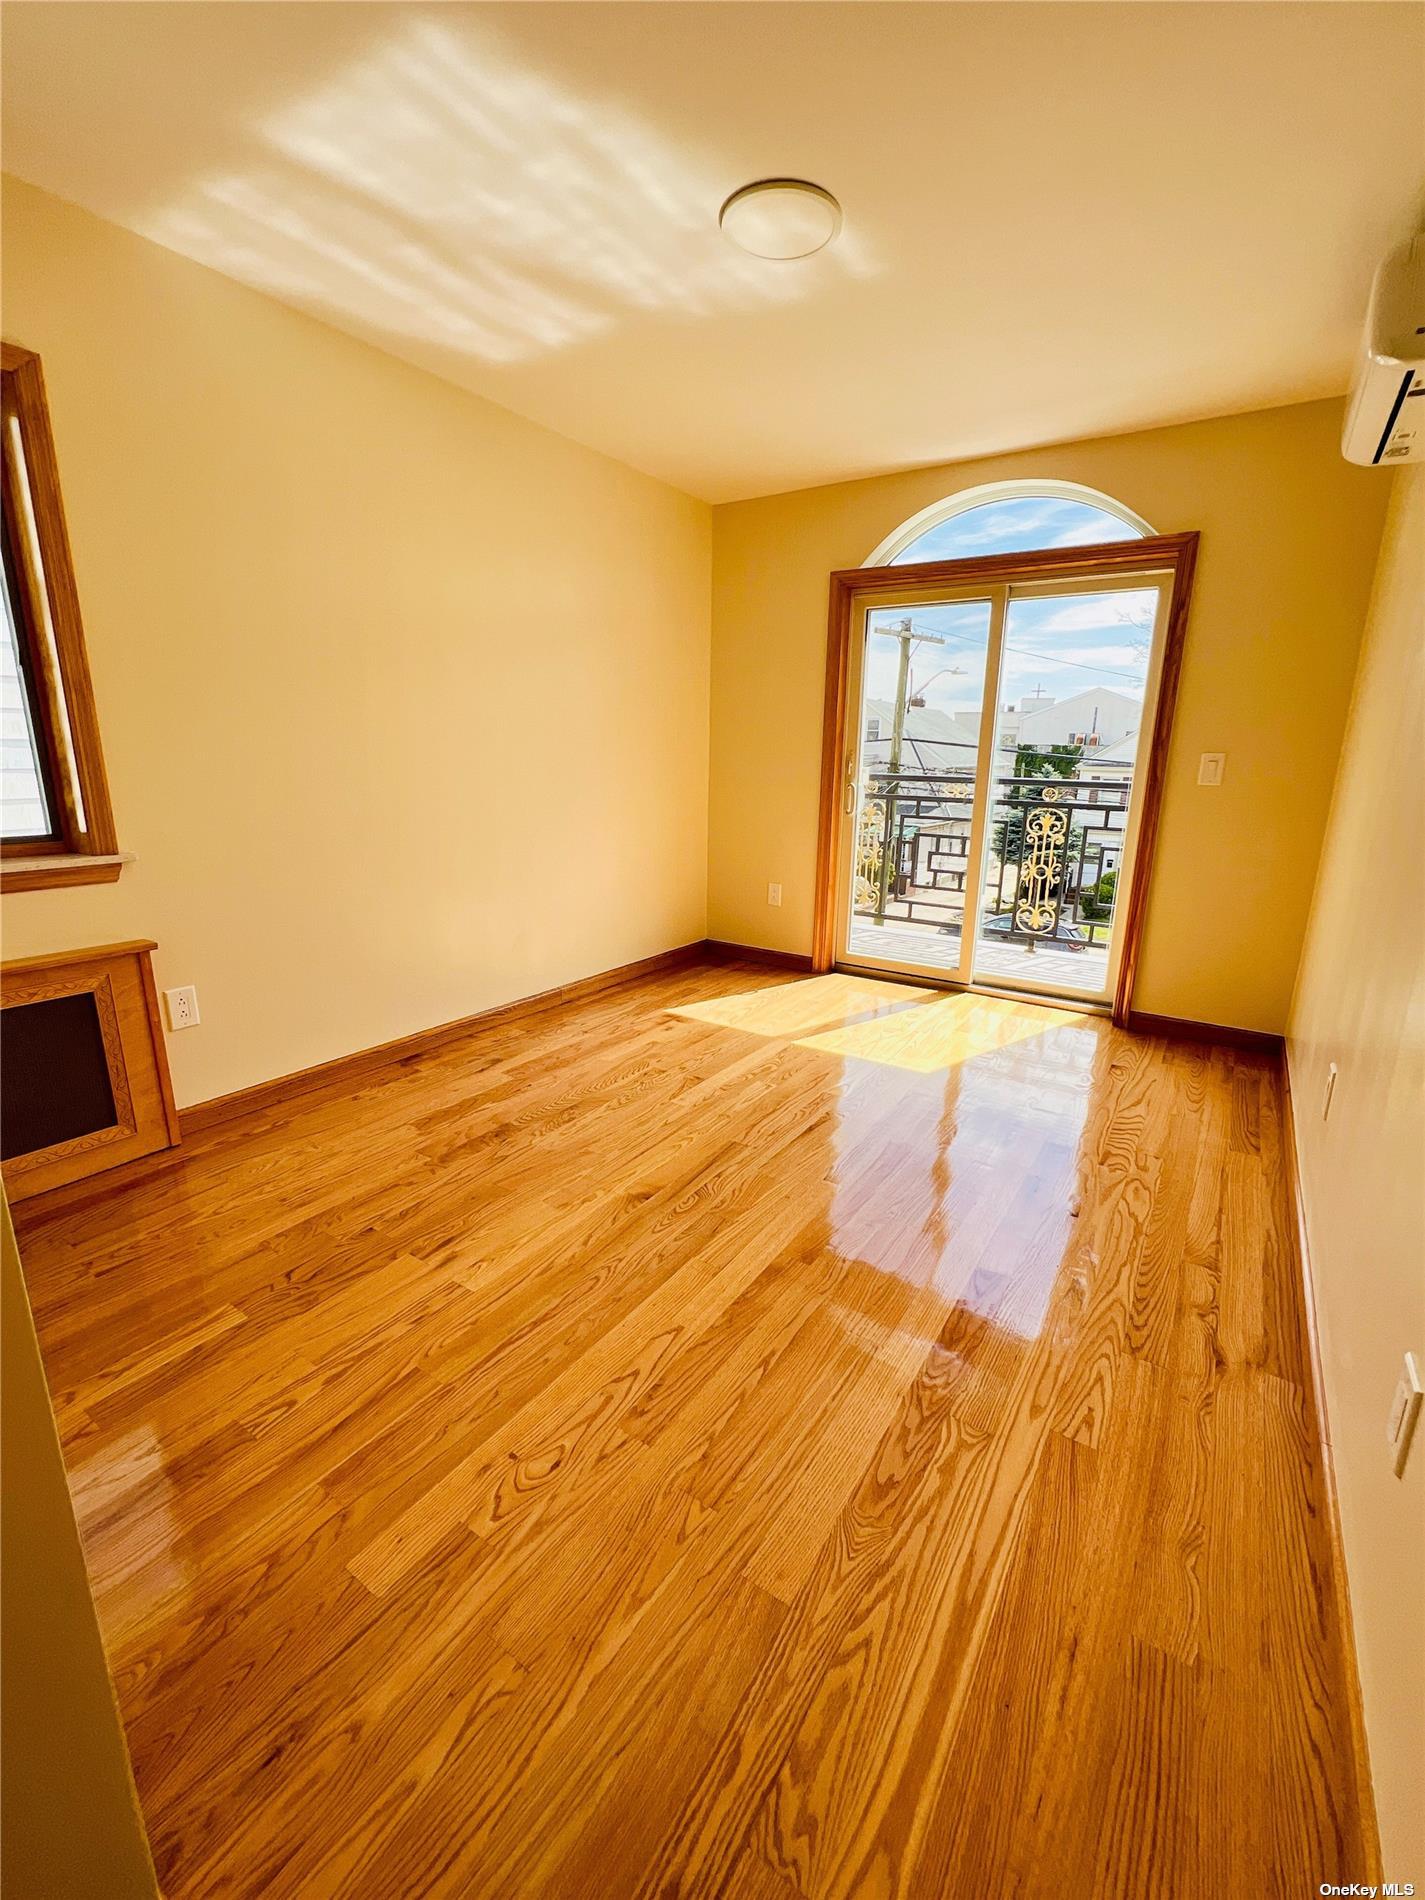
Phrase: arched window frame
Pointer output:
(1174, 555)
(986, 493)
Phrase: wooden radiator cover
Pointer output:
(83, 1073)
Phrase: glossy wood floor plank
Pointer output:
(743, 1436)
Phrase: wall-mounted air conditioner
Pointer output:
(1385, 417)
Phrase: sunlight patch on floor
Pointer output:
(796, 1010)
(941, 1032)
(899, 1025)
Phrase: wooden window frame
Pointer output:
(1173, 554)
(85, 848)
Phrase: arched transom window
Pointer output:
(1010, 518)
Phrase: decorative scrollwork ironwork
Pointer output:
(911, 852)
(870, 845)
(1041, 872)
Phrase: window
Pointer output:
(56, 826)
(1010, 518)
(873, 729)
(26, 775)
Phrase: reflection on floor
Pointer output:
(738, 1436)
(1064, 971)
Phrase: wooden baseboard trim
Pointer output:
(1182, 1029)
(73, 1195)
(347, 1069)
(1372, 1873)
(362, 1062)
(722, 952)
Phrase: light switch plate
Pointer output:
(774, 894)
(1404, 1411)
(1210, 768)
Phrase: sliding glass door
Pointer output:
(915, 787)
(996, 748)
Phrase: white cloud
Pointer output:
(1090, 613)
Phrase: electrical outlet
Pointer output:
(1329, 1091)
(774, 893)
(182, 1007)
(1210, 768)
(1404, 1411)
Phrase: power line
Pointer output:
(1049, 659)
(1087, 754)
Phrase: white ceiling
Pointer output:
(1061, 220)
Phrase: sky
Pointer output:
(1016, 525)
(1062, 645)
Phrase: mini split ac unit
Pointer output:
(1385, 416)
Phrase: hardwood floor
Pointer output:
(744, 1435)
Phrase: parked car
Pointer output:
(1067, 934)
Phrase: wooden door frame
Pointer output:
(1171, 554)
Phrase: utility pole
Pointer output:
(904, 634)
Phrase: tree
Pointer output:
(1096, 903)
(1032, 762)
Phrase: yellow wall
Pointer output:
(69, 1822)
(1360, 1003)
(404, 700)
(1289, 537)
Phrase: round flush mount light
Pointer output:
(781, 217)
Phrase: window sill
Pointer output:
(64, 868)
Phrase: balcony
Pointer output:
(1051, 867)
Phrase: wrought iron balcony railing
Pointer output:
(1051, 867)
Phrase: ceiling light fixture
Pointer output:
(781, 218)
